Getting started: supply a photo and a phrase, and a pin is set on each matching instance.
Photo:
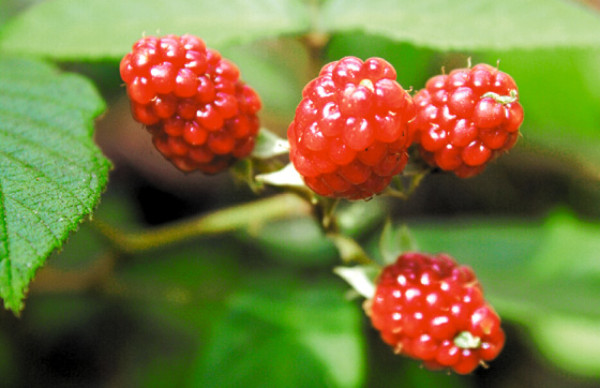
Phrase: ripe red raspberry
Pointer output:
(200, 114)
(466, 118)
(432, 309)
(349, 136)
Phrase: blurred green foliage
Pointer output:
(261, 307)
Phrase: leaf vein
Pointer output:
(55, 183)
(45, 150)
(30, 95)
(36, 215)
(45, 124)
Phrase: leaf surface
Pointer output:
(51, 172)
(468, 24)
(106, 29)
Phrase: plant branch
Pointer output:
(243, 216)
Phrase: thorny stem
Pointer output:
(245, 216)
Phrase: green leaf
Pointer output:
(287, 176)
(277, 70)
(176, 294)
(570, 341)
(350, 251)
(269, 145)
(408, 60)
(468, 24)
(51, 172)
(284, 333)
(533, 273)
(179, 286)
(395, 241)
(356, 218)
(99, 29)
(360, 278)
(301, 240)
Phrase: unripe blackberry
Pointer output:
(200, 114)
(430, 308)
(467, 118)
(349, 135)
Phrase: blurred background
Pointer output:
(261, 307)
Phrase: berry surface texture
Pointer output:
(430, 308)
(467, 118)
(200, 114)
(350, 132)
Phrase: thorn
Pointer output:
(483, 364)
(398, 349)
(469, 62)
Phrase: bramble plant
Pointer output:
(299, 193)
(349, 139)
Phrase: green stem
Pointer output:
(245, 216)
(325, 213)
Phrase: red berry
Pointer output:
(430, 308)
(200, 114)
(466, 118)
(350, 133)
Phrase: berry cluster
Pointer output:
(466, 118)
(432, 309)
(348, 139)
(201, 116)
(349, 136)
